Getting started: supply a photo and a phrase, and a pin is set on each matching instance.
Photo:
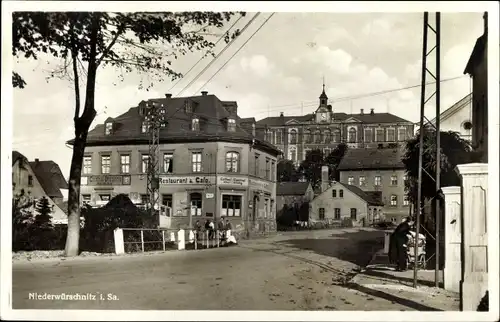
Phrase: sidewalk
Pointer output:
(381, 280)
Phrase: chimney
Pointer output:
(372, 111)
(325, 183)
(362, 111)
(204, 93)
(168, 95)
(282, 114)
(37, 160)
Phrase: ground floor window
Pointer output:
(337, 214)
(231, 205)
(321, 213)
(354, 213)
(196, 203)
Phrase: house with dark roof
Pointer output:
(292, 202)
(346, 205)
(380, 170)
(477, 69)
(212, 163)
(30, 179)
(324, 129)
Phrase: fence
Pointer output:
(130, 240)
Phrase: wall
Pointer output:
(397, 212)
(480, 107)
(348, 201)
(456, 122)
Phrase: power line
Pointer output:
(218, 55)
(206, 54)
(237, 51)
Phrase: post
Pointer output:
(142, 240)
(163, 239)
(217, 237)
(421, 146)
(196, 240)
(181, 239)
(438, 144)
(452, 272)
(208, 240)
(119, 245)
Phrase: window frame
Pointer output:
(107, 164)
(199, 204)
(337, 214)
(321, 213)
(196, 165)
(233, 160)
(394, 201)
(122, 165)
(87, 166)
(233, 199)
(165, 168)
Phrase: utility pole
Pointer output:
(155, 119)
(424, 122)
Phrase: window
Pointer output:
(307, 136)
(354, 213)
(144, 163)
(188, 107)
(328, 136)
(337, 214)
(378, 180)
(257, 168)
(406, 201)
(231, 125)
(293, 136)
(321, 213)
(391, 135)
(87, 164)
(352, 135)
(341, 193)
(317, 136)
(195, 124)
(334, 193)
(84, 181)
(379, 135)
(144, 199)
(105, 164)
(231, 206)
(350, 181)
(279, 136)
(268, 169)
(293, 154)
(336, 136)
(405, 179)
(232, 160)
(30, 180)
(306, 151)
(125, 163)
(145, 127)
(196, 204)
(368, 135)
(86, 198)
(394, 180)
(196, 161)
(105, 197)
(266, 208)
(273, 171)
(168, 162)
(402, 134)
(109, 128)
(394, 200)
(362, 181)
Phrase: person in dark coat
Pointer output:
(398, 244)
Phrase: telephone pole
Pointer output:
(155, 119)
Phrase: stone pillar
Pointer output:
(181, 239)
(453, 239)
(119, 245)
(474, 282)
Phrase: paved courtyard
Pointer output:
(292, 271)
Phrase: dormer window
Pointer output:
(108, 128)
(195, 124)
(231, 125)
(188, 108)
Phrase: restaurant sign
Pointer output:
(169, 180)
(233, 181)
(260, 185)
(106, 180)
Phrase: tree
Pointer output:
(286, 171)
(333, 160)
(43, 220)
(139, 41)
(454, 151)
(310, 168)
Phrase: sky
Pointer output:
(280, 69)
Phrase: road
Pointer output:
(292, 271)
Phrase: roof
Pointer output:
(211, 111)
(50, 177)
(365, 159)
(373, 198)
(292, 188)
(477, 54)
(464, 102)
(16, 156)
(364, 118)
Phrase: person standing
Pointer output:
(398, 244)
(221, 227)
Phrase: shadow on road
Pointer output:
(389, 297)
(403, 280)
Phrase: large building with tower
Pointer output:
(213, 164)
(324, 129)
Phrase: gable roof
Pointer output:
(17, 156)
(50, 177)
(373, 198)
(292, 188)
(365, 118)
(366, 159)
(212, 113)
(455, 108)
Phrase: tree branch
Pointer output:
(119, 32)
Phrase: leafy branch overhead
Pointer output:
(145, 42)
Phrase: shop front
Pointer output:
(262, 194)
(98, 190)
(232, 198)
